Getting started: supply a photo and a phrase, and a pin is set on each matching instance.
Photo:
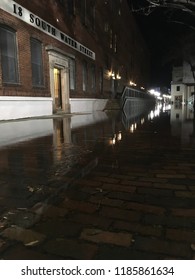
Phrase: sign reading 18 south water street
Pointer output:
(20, 12)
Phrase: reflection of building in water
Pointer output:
(182, 122)
(61, 136)
(31, 149)
(83, 134)
(56, 134)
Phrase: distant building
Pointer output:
(183, 83)
(67, 56)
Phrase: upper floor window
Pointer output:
(111, 39)
(87, 13)
(71, 7)
(106, 26)
(91, 15)
(62, 2)
(36, 62)
(82, 8)
(115, 43)
(9, 61)
(178, 88)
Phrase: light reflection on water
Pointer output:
(183, 124)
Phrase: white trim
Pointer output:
(57, 50)
(57, 60)
(24, 98)
(87, 105)
(16, 107)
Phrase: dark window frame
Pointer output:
(9, 55)
(177, 88)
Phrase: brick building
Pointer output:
(67, 55)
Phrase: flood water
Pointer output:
(146, 151)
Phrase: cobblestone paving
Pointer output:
(137, 202)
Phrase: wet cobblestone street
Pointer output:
(107, 190)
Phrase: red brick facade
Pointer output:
(107, 28)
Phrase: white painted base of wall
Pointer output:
(87, 105)
(12, 107)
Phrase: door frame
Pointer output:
(60, 61)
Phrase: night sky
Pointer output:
(162, 36)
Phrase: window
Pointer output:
(87, 13)
(106, 26)
(115, 43)
(178, 98)
(36, 62)
(72, 74)
(82, 8)
(111, 39)
(71, 7)
(62, 2)
(91, 15)
(107, 61)
(178, 88)
(101, 80)
(8, 50)
(93, 77)
(84, 75)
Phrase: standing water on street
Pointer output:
(108, 185)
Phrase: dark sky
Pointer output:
(159, 38)
(161, 34)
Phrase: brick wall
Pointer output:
(130, 60)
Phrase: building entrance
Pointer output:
(57, 89)
(59, 79)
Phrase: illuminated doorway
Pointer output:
(57, 89)
(59, 79)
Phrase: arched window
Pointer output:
(8, 49)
